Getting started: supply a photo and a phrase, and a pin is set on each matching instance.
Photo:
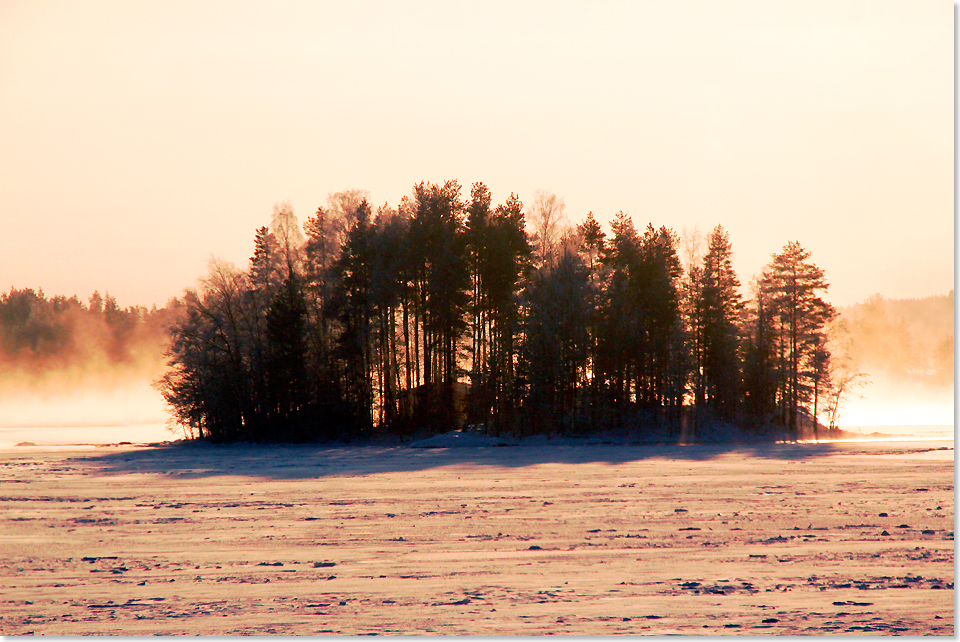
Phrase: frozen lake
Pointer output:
(768, 539)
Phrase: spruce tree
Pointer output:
(720, 305)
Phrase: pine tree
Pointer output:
(592, 240)
(286, 367)
(759, 374)
(663, 364)
(556, 343)
(442, 282)
(387, 288)
(351, 307)
(791, 282)
(478, 243)
(592, 246)
(500, 251)
(618, 342)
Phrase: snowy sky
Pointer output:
(137, 139)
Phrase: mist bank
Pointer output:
(132, 412)
(890, 401)
(60, 344)
(81, 372)
(904, 349)
(135, 412)
(903, 339)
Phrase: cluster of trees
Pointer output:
(449, 310)
(41, 335)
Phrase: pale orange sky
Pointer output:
(139, 138)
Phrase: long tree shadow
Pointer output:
(282, 461)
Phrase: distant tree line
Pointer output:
(41, 335)
(448, 311)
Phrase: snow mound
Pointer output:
(458, 439)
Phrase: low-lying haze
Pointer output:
(133, 412)
(93, 385)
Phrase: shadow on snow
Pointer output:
(286, 461)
